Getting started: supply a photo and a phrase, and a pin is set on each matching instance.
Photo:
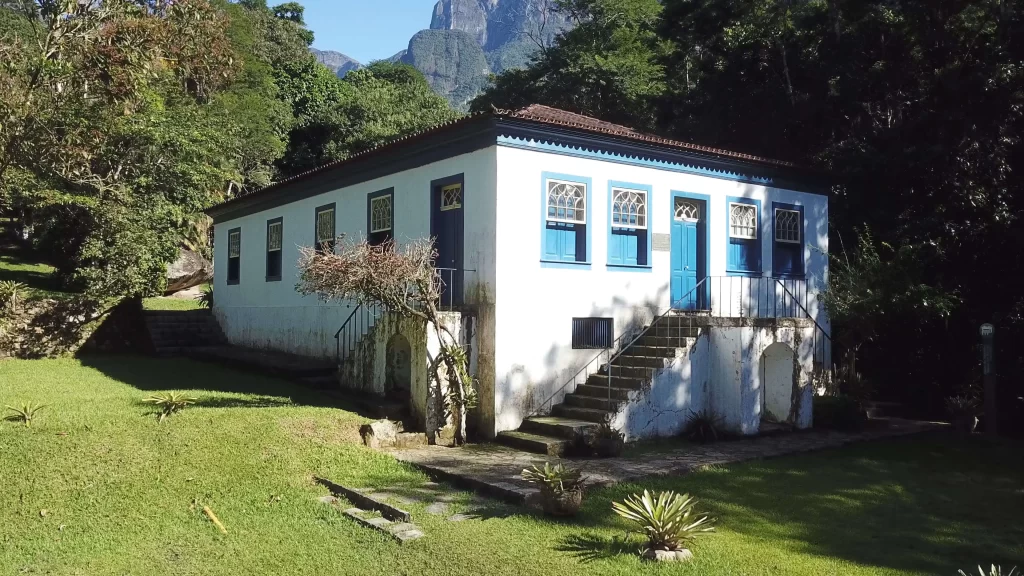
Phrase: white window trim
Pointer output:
(547, 203)
(675, 210)
(799, 228)
(454, 205)
(320, 239)
(280, 227)
(748, 206)
(373, 213)
(237, 235)
(641, 214)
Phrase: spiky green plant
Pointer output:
(668, 519)
(205, 298)
(993, 571)
(170, 402)
(26, 412)
(11, 294)
(703, 426)
(557, 478)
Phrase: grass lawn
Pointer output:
(37, 276)
(122, 494)
(165, 303)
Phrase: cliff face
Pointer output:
(339, 63)
(495, 23)
(452, 61)
(467, 41)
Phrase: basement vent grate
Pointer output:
(592, 332)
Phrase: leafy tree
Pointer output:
(608, 65)
(369, 107)
(108, 132)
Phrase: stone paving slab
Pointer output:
(496, 470)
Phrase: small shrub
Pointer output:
(561, 488)
(703, 426)
(169, 403)
(205, 298)
(962, 405)
(25, 413)
(667, 520)
(839, 413)
(606, 442)
(11, 294)
(993, 571)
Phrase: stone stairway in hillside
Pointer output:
(173, 332)
(600, 397)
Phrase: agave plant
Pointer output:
(668, 519)
(11, 294)
(26, 412)
(205, 298)
(702, 426)
(170, 402)
(993, 571)
(555, 478)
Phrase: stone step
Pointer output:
(588, 414)
(595, 402)
(621, 394)
(650, 352)
(628, 371)
(640, 361)
(547, 445)
(650, 341)
(557, 427)
(602, 380)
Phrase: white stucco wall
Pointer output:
(682, 387)
(535, 304)
(262, 314)
(738, 379)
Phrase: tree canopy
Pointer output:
(124, 119)
(916, 109)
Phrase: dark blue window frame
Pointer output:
(743, 255)
(376, 238)
(788, 257)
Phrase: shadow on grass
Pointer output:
(18, 266)
(929, 504)
(588, 547)
(160, 374)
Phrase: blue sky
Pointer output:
(366, 29)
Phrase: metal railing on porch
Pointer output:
(717, 296)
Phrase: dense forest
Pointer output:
(121, 120)
(915, 110)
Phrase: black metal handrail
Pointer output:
(359, 323)
(824, 362)
(608, 351)
(737, 296)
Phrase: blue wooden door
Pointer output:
(688, 253)
(446, 223)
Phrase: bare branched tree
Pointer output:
(402, 280)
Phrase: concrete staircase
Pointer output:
(173, 332)
(600, 397)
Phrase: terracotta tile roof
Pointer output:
(533, 113)
(549, 115)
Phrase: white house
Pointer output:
(561, 239)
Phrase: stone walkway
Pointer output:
(495, 470)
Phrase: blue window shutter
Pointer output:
(629, 247)
(615, 249)
(568, 234)
(552, 242)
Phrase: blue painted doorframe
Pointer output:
(689, 251)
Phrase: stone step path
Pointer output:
(401, 531)
(496, 471)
